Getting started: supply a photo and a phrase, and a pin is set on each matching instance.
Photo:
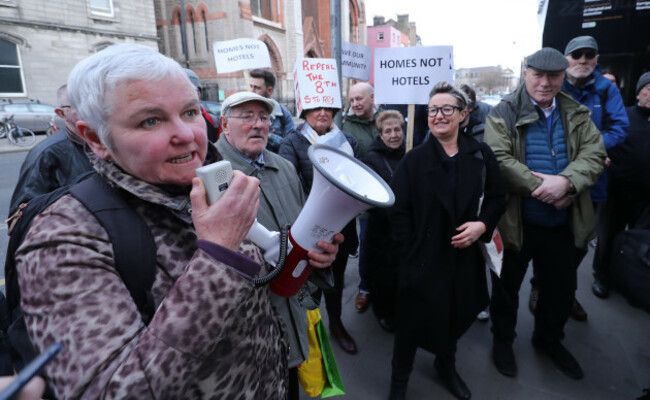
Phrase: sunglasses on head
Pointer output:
(588, 53)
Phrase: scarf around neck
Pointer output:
(334, 138)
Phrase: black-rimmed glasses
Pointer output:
(588, 53)
(447, 110)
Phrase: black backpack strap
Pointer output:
(133, 244)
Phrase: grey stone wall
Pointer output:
(53, 36)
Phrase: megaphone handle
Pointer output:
(284, 240)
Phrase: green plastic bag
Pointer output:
(334, 384)
(311, 372)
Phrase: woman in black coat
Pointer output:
(436, 225)
(383, 156)
(319, 128)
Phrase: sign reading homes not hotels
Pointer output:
(240, 54)
(406, 75)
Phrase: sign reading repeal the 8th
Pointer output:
(240, 54)
(317, 83)
(406, 75)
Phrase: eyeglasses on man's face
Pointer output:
(251, 118)
(589, 54)
(447, 110)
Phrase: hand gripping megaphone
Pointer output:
(343, 187)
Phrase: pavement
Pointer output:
(612, 346)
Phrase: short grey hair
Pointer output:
(93, 79)
(444, 87)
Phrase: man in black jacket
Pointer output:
(54, 162)
(628, 193)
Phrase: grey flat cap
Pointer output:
(547, 59)
(581, 42)
(240, 98)
(643, 80)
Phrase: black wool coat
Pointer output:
(380, 253)
(441, 289)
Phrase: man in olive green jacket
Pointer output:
(550, 153)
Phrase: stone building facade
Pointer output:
(291, 29)
(42, 40)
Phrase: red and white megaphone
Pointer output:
(343, 187)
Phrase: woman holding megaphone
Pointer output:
(436, 224)
(320, 128)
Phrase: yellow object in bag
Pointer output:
(311, 372)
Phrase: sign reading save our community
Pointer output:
(356, 60)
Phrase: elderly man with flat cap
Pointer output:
(245, 121)
(550, 153)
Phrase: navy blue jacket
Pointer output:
(610, 119)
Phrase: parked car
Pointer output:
(491, 100)
(212, 108)
(34, 116)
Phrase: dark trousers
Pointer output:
(620, 209)
(364, 283)
(334, 296)
(404, 351)
(553, 250)
(581, 253)
(405, 347)
(294, 384)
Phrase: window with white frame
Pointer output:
(12, 82)
(262, 9)
(380, 35)
(101, 7)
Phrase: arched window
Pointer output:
(12, 81)
(192, 21)
(205, 28)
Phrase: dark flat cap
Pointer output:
(547, 59)
(643, 80)
(581, 42)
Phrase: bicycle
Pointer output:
(15, 134)
(52, 128)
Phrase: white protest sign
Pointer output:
(355, 61)
(406, 75)
(240, 54)
(317, 83)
